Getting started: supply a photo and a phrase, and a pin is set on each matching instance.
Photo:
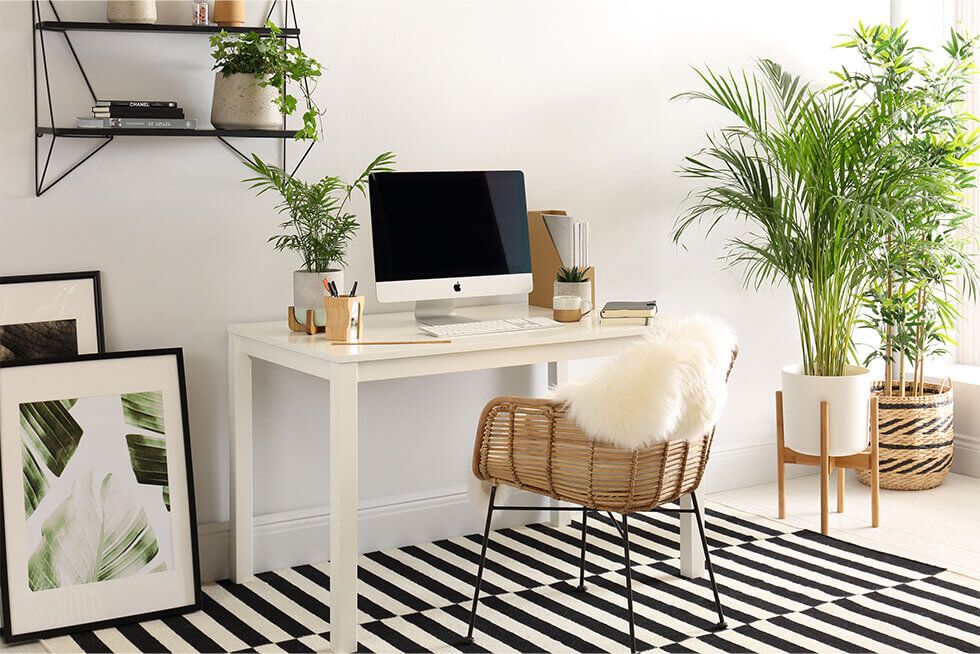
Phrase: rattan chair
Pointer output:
(532, 445)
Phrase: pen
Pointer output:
(333, 289)
(353, 289)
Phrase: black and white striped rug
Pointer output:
(783, 590)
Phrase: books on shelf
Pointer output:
(628, 313)
(136, 112)
(137, 123)
(167, 104)
(572, 238)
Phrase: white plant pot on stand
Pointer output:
(309, 291)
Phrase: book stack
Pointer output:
(137, 114)
(572, 238)
(628, 313)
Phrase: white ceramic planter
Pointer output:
(308, 293)
(131, 11)
(580, 289)
(848, 396)
(239, 102)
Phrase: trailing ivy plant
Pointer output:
(273, 62)
(925, 265)
(320, 224)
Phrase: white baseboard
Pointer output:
(295, 537)
(966, 455)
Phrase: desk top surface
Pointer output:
(402, 327)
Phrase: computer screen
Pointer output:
(435, 225)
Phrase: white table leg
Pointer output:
(558, 374)
(343, 509)
(240, 405)
(692, 555)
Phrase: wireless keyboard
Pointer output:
(489, 327)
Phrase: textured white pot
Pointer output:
(308, 292)
(131, 11)
(239, 102)
(581, 289)
(848, 396)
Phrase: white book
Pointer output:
(562, 230)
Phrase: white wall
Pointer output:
(574, 93)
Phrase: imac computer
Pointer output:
(439, 236)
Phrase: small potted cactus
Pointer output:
(572, 281)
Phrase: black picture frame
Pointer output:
(11, 638)
(94, 276)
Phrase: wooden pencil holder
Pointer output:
(866, 460)
(344, 317)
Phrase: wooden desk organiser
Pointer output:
(344, 317)
(545, 261)
(866, 460)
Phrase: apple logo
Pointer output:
(457, 287)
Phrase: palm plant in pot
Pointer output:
(319, 225)
(250, 85)
(801, 168)
(925, 267)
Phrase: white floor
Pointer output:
(939, 526)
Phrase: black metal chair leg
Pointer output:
(629, 583)
(581, 574)
(707, 563)
(483, 560)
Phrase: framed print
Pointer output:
(98, 525)
(50, 316)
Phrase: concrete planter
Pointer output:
(239, 102)
(131, 11)
(308, 292)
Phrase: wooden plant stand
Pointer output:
(866, 460)
(310, 327)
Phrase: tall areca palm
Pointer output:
(818, 190)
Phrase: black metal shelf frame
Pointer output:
(39, 27)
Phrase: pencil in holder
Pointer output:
(344, 317)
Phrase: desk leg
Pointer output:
(240, 449)
(343, 509)
(558, 374)
(692, 556)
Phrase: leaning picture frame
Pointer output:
(98, 525)
(50, 316)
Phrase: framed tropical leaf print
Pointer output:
(98, 524)
(50, 316)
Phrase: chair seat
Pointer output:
(530, 444)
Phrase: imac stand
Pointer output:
(438, 312)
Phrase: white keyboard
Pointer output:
(489, 327)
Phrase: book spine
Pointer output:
(170, 104)
(138, 123)
(136, 112)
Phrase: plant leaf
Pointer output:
(144, 410)
(148, 456)
(35, 485)
(52, 431)
(92, 538)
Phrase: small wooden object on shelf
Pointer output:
(309, 326)
(344, 317)
(866, 460)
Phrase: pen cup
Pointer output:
(344, 317)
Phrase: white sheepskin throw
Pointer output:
(671, 387)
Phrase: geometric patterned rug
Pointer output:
(783, 589)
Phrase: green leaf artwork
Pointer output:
(93, 537)
(52, 432)
(35, 485)
(148, 456)
(144, 410)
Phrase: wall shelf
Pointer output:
(76, 26)
(106, 135)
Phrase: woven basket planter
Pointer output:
(915, 438)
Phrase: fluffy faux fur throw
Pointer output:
(671, 387)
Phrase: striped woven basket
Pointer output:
(915, 438)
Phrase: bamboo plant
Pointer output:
(925, 266)
(805, 171)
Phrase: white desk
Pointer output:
(345, 367)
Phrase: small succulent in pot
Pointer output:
(571, 275)
(250, 86)
(572, 281)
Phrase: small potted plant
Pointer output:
(319, 226)
(249, 87)
(572, 281)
